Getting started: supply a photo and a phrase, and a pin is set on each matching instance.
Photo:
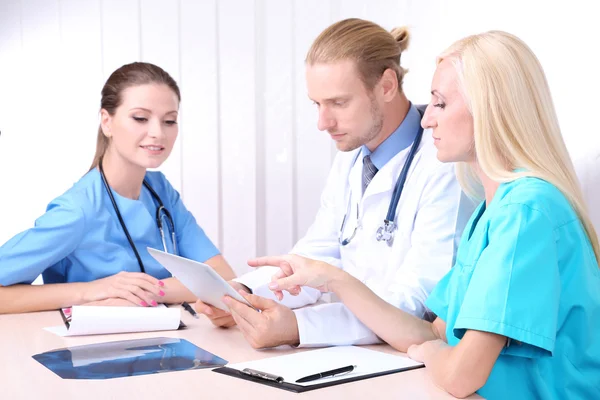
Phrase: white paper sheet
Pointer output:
(97, 320)
(298, 365)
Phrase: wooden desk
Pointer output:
(21, 377)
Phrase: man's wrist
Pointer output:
(294, 339)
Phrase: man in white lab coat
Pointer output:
(354, 76)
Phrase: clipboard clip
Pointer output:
(262, 375)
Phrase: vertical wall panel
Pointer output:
(237, 100)
(81, 82)
(12, 113)
(278, 105)
(342, 9)
(159, 20)
(427, 30)
(313, 148)
(40, 152)
(387, 13)
(120, 34)
(199, 121)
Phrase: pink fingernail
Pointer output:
(161, 283)
(144, 304)
(161, 293)
(273, 285)
(154, 303)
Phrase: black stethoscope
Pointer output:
(386, 231)
(160, 212)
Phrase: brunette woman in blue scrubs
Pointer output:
(91, 244)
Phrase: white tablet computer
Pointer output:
(199, 278)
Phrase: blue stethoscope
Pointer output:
(161, 212)
(386, 231)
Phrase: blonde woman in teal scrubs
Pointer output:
(519, 314)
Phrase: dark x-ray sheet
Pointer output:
(127, 358)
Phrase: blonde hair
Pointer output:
(515, 124)
(369, 45)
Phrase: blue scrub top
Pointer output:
(525, 269)
(79, 238)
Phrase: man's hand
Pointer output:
(218, 317)
(273, 326)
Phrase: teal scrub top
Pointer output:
(79, 238)
(525, 269)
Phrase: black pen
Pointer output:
(327, 374)
(189, 309)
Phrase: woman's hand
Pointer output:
(112, 303)
(296, 271)
(135, 287)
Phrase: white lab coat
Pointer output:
(430, 218)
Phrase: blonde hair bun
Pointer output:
(401, 36)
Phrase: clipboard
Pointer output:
(292, 366)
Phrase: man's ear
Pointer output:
(105, 123)
(389, 84)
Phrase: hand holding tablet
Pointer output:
(199, 278)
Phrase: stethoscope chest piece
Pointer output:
(386, 232)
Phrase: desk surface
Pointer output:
(22, 336)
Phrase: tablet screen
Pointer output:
(200, 279)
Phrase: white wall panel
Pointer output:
(38, 154)
(120, 34)
(80, 77)
(199, 118)
(12, 113)
(277, 102)
(237, 102)
(159, 37)
(313, 153)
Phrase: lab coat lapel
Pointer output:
(355, 181)
(385, 179)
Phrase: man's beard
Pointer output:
(376, 126)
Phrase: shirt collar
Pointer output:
(399, 140)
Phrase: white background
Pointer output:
(249, 160)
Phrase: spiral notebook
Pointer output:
(290, 368)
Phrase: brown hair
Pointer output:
(134, 74)
(369, 45)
